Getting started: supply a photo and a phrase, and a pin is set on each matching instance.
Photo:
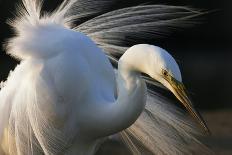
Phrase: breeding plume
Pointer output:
(65, 97)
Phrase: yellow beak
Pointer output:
(179, 91)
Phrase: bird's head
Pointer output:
(162, 67)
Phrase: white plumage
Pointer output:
(65, 98)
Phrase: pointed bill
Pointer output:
(179, 91)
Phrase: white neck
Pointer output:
(131, 95)
(117, 116)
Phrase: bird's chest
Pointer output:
(76, 83)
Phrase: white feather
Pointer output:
(30, 126)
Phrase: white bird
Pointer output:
(65, 97)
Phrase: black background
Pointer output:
(204, 52)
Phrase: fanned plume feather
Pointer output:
(161, 129)
(114, 29)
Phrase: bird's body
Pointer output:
(65, 97)
(68, 103)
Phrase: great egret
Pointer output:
(65, 97)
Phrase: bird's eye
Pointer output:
(164, 72)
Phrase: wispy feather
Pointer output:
(115, 29)
(161, 129)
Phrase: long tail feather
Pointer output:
(163, 129)
(114, 29)
(73, 10)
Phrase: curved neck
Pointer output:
(131, 95)
(117, 116)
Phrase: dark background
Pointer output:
(203, 51)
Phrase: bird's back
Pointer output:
(55, 80)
